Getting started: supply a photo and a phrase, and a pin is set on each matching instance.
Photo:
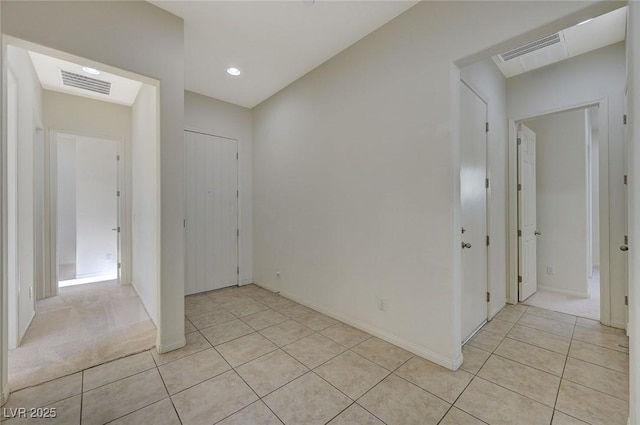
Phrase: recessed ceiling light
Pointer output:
(90, 70)
(585, 22)
(233, 71)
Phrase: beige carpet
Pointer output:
(83, 326)
(581, 307)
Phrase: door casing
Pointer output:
(513, 252)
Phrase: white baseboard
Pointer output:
(246, 281)
(170, 347)
(584, 294)
(452, 364)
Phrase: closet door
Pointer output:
(211, 196)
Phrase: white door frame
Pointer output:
(605, 287)
(478, 93)
(238, 199)
(51, 203)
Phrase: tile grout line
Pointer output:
(165, 387)
(566, 359)
(370, 389)
(81, 395)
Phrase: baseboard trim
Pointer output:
(246, 281)
(564, 291)
(170, 347)
(452, 364)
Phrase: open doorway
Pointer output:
(85, 175)
(558, 212)
(85, 188)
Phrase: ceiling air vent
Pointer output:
(530, 47)
(86, 83)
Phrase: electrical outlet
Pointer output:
(550, 270)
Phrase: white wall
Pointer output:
(77, 115)
(356, 173)
(29, 118)
(212, 116)
(66, 183)
(487, 79)
(633, 132)
(145, 187)
(561, 171)
(148, 41)
(96, 207)
(583, 79)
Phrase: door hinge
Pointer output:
(519, 279)
(238, 232)
(486, 127)
(117, 157)
(626, 239)
(519, 232)
(238, 270)
(488, 296)
(118, 193)
(184, 222)
(624, 119)
(237, 194)
(486, 183)
(487, 240)
(625, 179)
(118, 229)
(626, 300)
(519, 186)
(237, 155)
(519, 140)
(119, 265)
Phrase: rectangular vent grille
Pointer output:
(530, 47)
(86, 83)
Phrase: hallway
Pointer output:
(83, 326)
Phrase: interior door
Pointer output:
(527, 277)
(473, 202)
(211, 195)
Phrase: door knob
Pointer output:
(537, 233)
(466, 245)
(624, 247)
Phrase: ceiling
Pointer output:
(589, 35)
(273, 43)
(49, 70)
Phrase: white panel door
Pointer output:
(96, 207)
(211, 195)
(528, 279)
(473, 202)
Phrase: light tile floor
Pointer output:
(83, 326)
(257, 358)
